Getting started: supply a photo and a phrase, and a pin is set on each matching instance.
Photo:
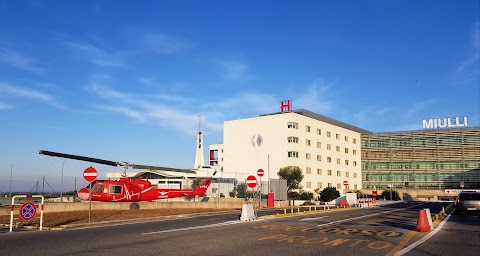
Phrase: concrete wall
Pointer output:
(223, 203)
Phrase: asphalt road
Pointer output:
(382, 230)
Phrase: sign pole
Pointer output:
(90, 174)
(90, 203)
(260, 194)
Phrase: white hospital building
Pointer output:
(327, 151)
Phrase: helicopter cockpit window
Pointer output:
(97, 188)
(115, 189)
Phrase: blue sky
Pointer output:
(126, 80)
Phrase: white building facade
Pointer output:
(327, 151)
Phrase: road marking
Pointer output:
(425, 238)
(402, 243)
(365, 216)
(192, 228)
(308, 219)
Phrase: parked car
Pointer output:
(468, 201)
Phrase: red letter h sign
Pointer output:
(285, 106)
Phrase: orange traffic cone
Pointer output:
(422, 222)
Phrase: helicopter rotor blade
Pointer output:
(150, 167)
(81, 158)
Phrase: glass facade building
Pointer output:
(425, 159)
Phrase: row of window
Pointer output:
(308, 156)
(465, 164)
(319, 185)
(308, 170)
(293, 139)
(295, 125)
(427, 176)
(422, 141)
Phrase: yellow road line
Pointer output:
(402, 243)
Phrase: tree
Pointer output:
(196, 182)
(390, 195)
(293, 175)
(328, 194)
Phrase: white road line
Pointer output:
(192, 228)
(309, 219)
(365, 216)
(425, 238)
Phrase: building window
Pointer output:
(308, 156)
(338, 160)
(319, 158)
(308, 142)
(293, 154)
(329, 172)
(354, 141)
(329, 185)
(354, 152)
(355, 186)
(319, 171)
(346, 150)
(339, 173)
(354, 175)
(319, 185)
(292, 139)
(337, 148)
(347, 174)
(329, 134)
(329, 159)
(308, 170)
(319, 144)
(309, 184)
(346, 162)
(339, 186)
(329, 147)
(292, 125)
(337, 136)
(307, 128)
(319, 132)
(346, 138)
(354, 163)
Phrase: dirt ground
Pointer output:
(56, 219)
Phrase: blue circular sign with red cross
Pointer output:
(28, 211)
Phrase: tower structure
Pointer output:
(199, 159)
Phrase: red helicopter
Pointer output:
(128, 189)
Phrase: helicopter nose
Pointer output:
(83, 194)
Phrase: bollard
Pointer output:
(284, 211)
(291, 210)
(309, 208)
(298, 209)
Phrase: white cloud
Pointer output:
(97, 56)
(5, 106)
(315, 98)
(234, 71)
(164, 44)
(418, 108)
(20, 92)
(367, 114)
(19, 61)
(127, 112)
(469, 70)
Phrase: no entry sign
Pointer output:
(90, 174)
(251, 181)
(28, 211)
(345, 183)
(260, 172)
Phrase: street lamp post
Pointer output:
(61, 190)
(11, 176)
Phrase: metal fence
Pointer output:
(231, 188)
